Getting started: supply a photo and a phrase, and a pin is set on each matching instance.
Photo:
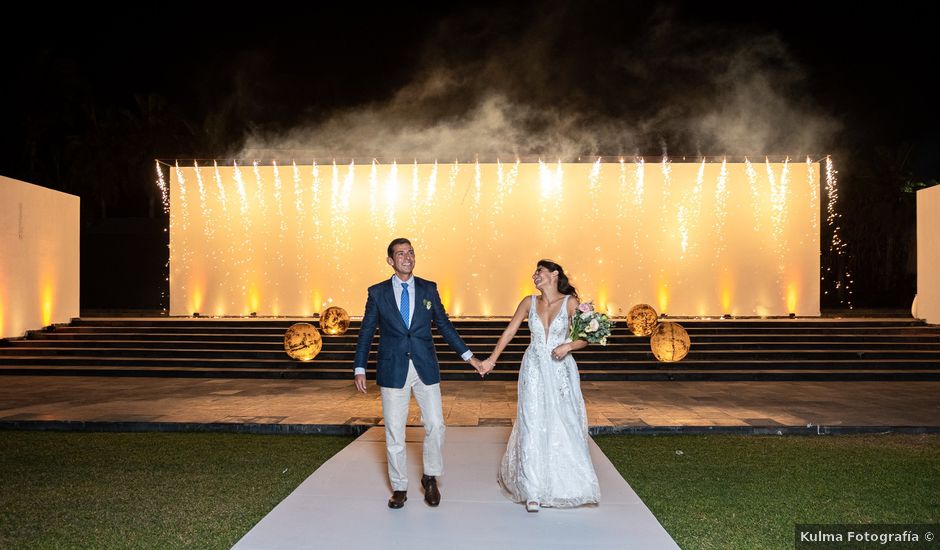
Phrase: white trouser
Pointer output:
(395, 410)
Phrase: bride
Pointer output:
(547, 462)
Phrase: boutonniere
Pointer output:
(427, 304)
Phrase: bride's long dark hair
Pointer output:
(564, 286)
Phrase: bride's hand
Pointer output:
(488, 364)
(561, 351)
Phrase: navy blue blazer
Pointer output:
(399, 344)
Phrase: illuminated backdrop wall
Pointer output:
(928, 254)
(699, 238)
(39, 257)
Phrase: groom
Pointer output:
(403, 308)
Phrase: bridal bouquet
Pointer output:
(590, 325)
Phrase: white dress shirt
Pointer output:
(397, 288)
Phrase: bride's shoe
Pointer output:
(532, 506)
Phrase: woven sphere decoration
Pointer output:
(302, 342)
(670, 342)
(642, 319)
(334, 320)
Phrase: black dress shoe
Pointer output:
(398, 499)
(431, 493)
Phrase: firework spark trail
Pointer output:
(695, 210)
(415, 194)
(665, 167)
(721, 209)
(498, 201)
(347, 192)
(302, 261)
(182, 264)
(432, 185)
(451, 195)
(259, 191)
(595, 175)
(682, 219)
(165, 200)
(391, 198)
(755, 193)
(428, 201)
(184, 201)
(317, 259)
(843, 282)
(203, 206)
(242, 192)
(552, 186)
(336, 189)
(164, 190)
(638, 186)
(813, 194)
(477, 184)
(221, 189)
(639, 175)
(262, 215)
(778, 205)
(298, 198)
(373, 191)
(244, 254)
(593, 188)
(277, 198)
(208, 230)
(336, 204)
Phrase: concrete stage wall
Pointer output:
(39, 257)
(928, 254)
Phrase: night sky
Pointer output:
(90, 99)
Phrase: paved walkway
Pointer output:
(611, 406)
(330, 508)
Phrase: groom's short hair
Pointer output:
(396, 242)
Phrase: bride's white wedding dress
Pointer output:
(547, 458)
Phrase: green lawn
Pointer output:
(147, 490)
(165, 490)
(731, 491)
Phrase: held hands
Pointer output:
(478, 365)
(561, 351)
(488, 364)
(483, 367)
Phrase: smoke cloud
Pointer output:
(573, 82)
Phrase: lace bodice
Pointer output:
(557, 327)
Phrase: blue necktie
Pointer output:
(405, 303)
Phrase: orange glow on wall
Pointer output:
(446, 297)
(197, 299)
(726, 284)
(600, 303)
(663, 299)
(317, 301)
(726, 300)
(46, 299)
(791, 298)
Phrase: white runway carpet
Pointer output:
(343, 505)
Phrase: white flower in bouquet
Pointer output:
(592, 326)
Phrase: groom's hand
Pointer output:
(478, 366)
(361, 383)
